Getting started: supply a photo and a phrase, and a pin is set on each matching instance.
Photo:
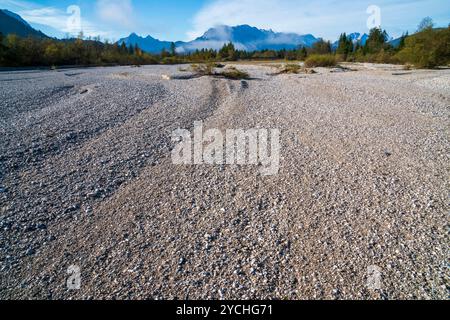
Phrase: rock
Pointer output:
(30, 252)
(42, 226)
(96, 194)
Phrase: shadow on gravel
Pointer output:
(217, 76)
(20, 79)
(73, 74)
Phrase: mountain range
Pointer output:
(13, 23)
(244, 37)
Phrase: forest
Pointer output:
(429, 47)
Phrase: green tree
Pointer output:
(345, 46)
(2, 49)
(427, 49)
(164, 53)
(228, 52)
(303, 53)
(123, 48)
(401, 45)
(173, 49)
(376, 41)
(321, 47)
(288, 55)
(13, 52)
(52, 54)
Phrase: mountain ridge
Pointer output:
(12, 23)
(244, 37)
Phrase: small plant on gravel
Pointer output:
(203, 69)
(290, 68)
(229, 73)
(234, 74)
(324, 60)
(407, 67)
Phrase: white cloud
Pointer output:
(47, 16)
(116, 11)
(324, 18)
(58, 19)
(16, 3)
(281, 15)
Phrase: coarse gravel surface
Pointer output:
(86, 179)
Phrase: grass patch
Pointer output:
(209, 70)
(291, 68)
(325, 60)
(234, 74)
(203, 69)
(219, 65)
(407, 67)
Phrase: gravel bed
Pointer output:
(86, 179)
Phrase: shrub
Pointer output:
(208, 69)
(326, 60)
(233, 73)
(427, 49)
(291, 68)
(407, 67)
(203, 69)
(321, 47)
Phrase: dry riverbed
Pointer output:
(86, 179)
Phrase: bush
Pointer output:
(234, 74)
(291, 68)
(325, 60)
(203, 69)
(208, 69)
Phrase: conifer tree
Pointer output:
(173, 49)
(2, 48)
(376, 41)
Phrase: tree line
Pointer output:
(429, 47)
(31, 51)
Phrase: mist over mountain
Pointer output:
(244, 37)
(248, 38)
(13, 23)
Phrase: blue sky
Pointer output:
(187, 19)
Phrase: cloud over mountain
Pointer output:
(116, 11)
(244, 37)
